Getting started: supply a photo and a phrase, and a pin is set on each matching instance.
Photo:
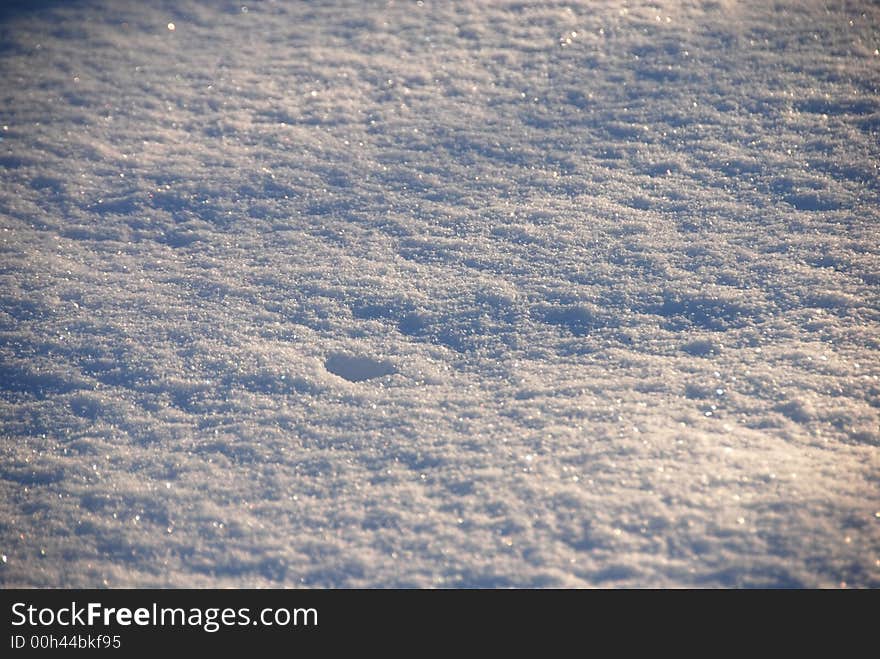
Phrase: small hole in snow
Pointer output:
(355, 368)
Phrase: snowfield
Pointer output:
(440, 294)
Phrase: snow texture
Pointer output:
(440, 294)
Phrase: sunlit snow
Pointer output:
(440, 294)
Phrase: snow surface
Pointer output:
(440, 294)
